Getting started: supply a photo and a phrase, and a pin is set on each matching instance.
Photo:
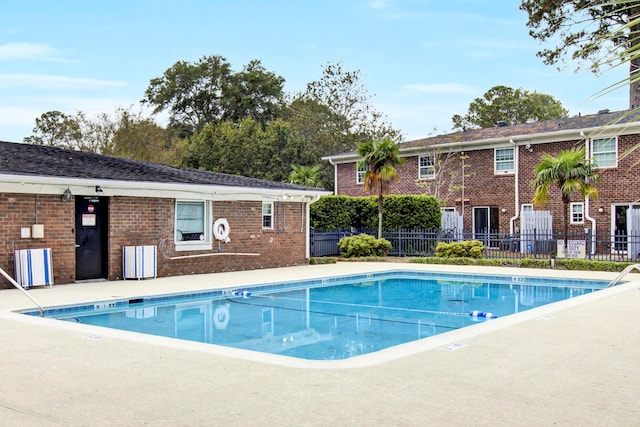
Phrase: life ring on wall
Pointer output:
(221, 229)
(221, 317)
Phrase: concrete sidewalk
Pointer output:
(572, 363)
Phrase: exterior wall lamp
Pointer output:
(66, 196)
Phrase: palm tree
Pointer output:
(572, 172)
(379, 157)
(305, 175)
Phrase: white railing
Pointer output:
(17, 286)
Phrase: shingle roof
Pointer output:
(572, 123)
(591, 121)
(38, 160)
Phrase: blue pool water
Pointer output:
(332, 318)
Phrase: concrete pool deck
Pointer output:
(572, 363)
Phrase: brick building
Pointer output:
(86, 208)
(484, 175)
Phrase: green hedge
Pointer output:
(343, 212)
(560, 264)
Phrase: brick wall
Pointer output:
(484, 188)
(282, 246)
(148, 221)
(18, 211)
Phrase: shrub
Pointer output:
(560, 264)
(465, 249)
(363, 245)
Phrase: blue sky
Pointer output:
(422, 60)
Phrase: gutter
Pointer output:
(307, 244)
(35, 184)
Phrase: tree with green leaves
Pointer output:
(247, 149)
(253, 92)
(379, 156)
(58, 129)
(124, 134)
(513, 106)
(601, 33)
(352, 115)
(310, 122)
(333, 114)
(572, 173)
(141, 138)
(208, 91)
(305, 175)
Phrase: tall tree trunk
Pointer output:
(634, 86)
(566, 226)
(380, 211)
(634, 64)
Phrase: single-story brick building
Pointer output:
(86, 208)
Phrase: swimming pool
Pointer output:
(331, 318)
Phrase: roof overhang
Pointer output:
(34, 184)
(516, 139)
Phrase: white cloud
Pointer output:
(10, 51)
(441, 88)
(44, 81)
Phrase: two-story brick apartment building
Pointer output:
(485, 174)
(83, 209)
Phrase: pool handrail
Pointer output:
(17, 286)
(624, 273)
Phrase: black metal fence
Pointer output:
(601, 247)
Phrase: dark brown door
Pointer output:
(91, 237)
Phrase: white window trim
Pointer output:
(432, 168)
(526, 207)
(615, 140)
(207, 243)
(495, 161)
(361, 170)
(271, 215)
(571, 220)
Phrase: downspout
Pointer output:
(307, 240)
(587, 204)
(593, 224)
(335, 178)
(516, 190)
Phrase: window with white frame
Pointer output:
(361, 170)
(526, 207)
(426, 169)
(267, 215)
(604, 152)
(192, 225)
(504, 160)
(577, 213)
